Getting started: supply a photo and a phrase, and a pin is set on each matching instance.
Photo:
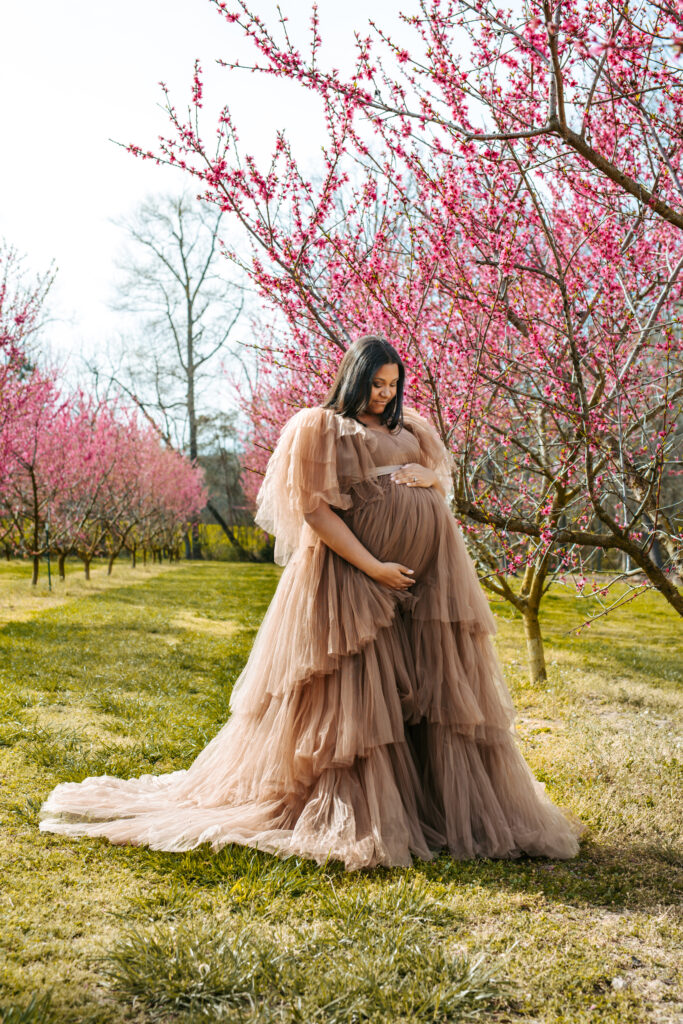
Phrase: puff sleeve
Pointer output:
(432, 449)
(300, 475)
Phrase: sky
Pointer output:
(78, 76)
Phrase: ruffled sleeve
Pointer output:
(301, 474)
(432, 449)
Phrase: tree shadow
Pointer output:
(613, 876)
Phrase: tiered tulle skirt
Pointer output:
(369, 725)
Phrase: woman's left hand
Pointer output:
(414, 475)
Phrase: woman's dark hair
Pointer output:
(350, 393)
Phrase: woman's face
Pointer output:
(384, 384)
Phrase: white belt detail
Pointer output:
(381, 470)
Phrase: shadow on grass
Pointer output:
(53, 655)
(221, 591)
(640, 664)
(613, 877)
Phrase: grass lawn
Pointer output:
(124, 677)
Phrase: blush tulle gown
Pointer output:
(368, 724)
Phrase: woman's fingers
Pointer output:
(407, 576)
(395, 575)
(408, 474)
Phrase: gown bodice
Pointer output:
(392, 448)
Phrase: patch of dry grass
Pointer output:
(19, 600)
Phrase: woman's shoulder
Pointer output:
(313, 417)
(311, 414)
(415, 421)
(433, 448)
(324, 420)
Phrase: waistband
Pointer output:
(381, 470)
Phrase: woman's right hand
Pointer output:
(394, 575)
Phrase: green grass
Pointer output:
(138, 677)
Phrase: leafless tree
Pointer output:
(182, 312)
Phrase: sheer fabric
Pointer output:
(368, 725)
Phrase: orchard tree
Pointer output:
(511, 219)
(28, 397)
(22, 302)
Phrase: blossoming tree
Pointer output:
(512, 220)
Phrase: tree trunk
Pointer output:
(36, 529)
(61, 565)
(133, 556)
(248, 556)
(86, 567)
(190, 364)
(112, 559)
(534, 646)
(197, 552)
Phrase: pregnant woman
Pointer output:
(371, 721)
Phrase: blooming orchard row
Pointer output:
(76, 475)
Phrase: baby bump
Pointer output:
(401, 527)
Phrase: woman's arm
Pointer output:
(337, 535)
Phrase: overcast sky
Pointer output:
(76, 74)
